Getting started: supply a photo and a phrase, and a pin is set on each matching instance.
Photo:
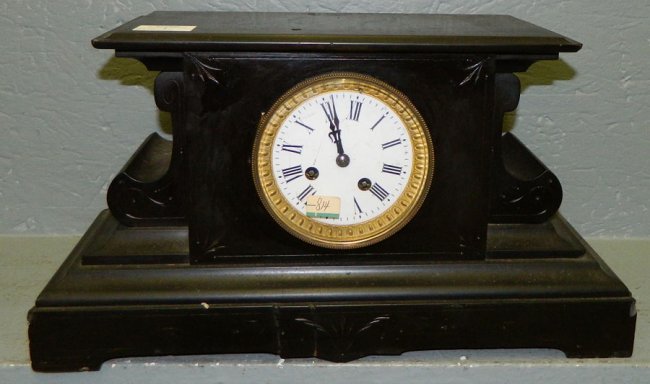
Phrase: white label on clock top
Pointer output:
(372, 137)
(165, 28)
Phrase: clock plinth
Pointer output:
(187, 260)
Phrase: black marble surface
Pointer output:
(331, 32)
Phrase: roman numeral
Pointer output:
(377, 123)
(355, 110)
(292, 148)
(391, 143)
(292, 173)
(307, 191)
(305, 126)
(356, 205)
(392, 169)
(379, 192)
(329, 109)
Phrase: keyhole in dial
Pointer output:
(364, 184)
(311, 173)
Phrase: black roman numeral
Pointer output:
(305, 126)
(391, 143)
(355, 110)
(292, 173)
(329, 109)
(307, 191)
(292, 148)
(379, 192)
(392, 169)
(377, 123)
(356, 205)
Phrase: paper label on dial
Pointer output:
(323, 207)
(165, 28)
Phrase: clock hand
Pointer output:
(335, 134)
(339, 143)
(342, 160)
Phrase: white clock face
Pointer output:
(342, 160)
(344, 149)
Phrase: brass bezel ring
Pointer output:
(348, 236)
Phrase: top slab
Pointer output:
(333, 32)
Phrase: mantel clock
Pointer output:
(338, 185)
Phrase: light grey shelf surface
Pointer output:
(27, 263)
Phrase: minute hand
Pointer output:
(335, 134)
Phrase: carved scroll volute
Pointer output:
(523, 189)
(168, 91)
(147, 191)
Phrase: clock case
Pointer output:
(187, 261)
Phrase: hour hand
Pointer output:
(335, 136)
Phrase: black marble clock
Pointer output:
(338, 185)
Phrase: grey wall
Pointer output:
(70, 115)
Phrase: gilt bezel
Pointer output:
(396, 216)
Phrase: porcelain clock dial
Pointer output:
(342, 160)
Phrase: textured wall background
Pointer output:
(70, 115)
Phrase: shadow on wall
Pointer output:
(543, 72)
(131, 72)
